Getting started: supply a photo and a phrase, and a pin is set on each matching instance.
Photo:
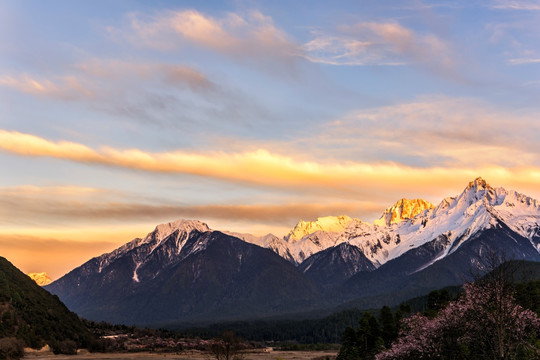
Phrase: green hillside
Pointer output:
(33, 315)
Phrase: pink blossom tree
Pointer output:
(485, 323)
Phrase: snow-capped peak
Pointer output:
(478, 183)
(412, 223)
(41, 278)
(164, 230)
(326, 224)
(479, 189)
(167, 238)
(402, 210)
(262, 241)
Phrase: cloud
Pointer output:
(384, 43)
(57, 228)
(163, 73)
(434, 131)
(335, 50)
(531, 5)
(40, 206)
(98, 80)
(159, 93)
(522, 61)
(251, 37)
(64, 88)
(262, 168)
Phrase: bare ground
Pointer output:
(191, 355)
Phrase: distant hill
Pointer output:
(33, 315)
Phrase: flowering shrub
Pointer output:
(485, 323)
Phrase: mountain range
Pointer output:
(184, 271)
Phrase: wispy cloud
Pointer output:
(41, 206)
(97, 79)
(64, 87)
(266, 169)
(171, 74)
(524, 61)
(532, 5)
(253, 37)
(153, 92)
(383, 43)
(436, 131)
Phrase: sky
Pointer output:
(252, 115)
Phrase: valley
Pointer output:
(344, 180)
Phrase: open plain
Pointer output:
(193, 355)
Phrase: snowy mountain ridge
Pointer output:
(167, 239)
(404, 209)
(199, 273)
(411, 223)
(406, 225)
(327, 224)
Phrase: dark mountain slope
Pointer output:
(335, 265)
(33, 315)
(221, 277)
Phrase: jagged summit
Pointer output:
(166, 240)
(409, 224)
(478, 183)
(404, 209)
(163, 230)
(327, 224)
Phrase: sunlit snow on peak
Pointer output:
(402, 210)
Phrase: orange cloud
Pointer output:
(65, 88)
(263, 168)
(252, 37)
(33, 244)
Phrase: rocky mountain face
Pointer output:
(193, 273)
(403, 210)
(335, 265)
